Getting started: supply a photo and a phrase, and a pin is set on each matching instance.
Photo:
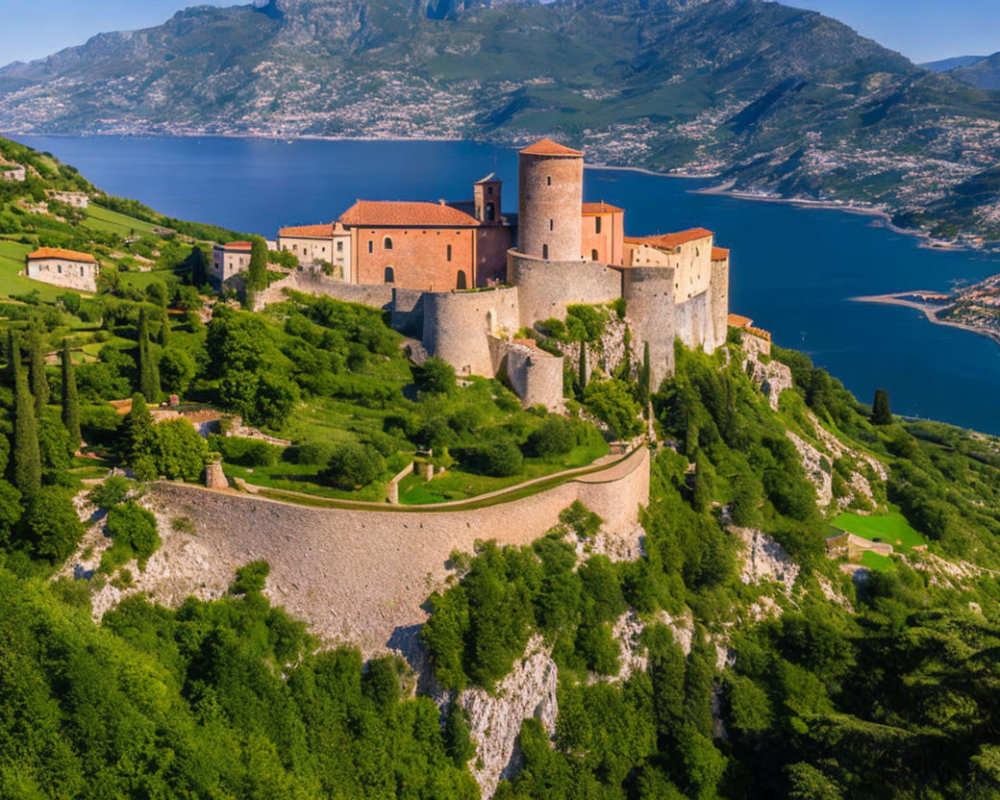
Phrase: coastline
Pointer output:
(725, 189)
(929, 311)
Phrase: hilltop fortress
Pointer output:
(464, 278)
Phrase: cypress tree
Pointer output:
(149, 381)
(27, 459)
(881, 414)
(70, 399)
(36, 367)
(164, 334)
(645, 373)
(13, 359)
(257, 271)
(138, 430)
(583, 366)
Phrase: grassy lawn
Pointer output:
(301, 478)
(101, 219)
(874, 561)
(140, 280)
(891, 528)
(459, 485)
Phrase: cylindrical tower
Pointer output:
(550, 200)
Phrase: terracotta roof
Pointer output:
(309, 231)
(236, 246)
(593, 209)
(546, 147)
(719, 254)
(736, 321)
(66, 255)
(396, 214)
(669, 241)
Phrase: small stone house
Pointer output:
(74, 199)
(13, 172)
(67, 268)
(229, 260)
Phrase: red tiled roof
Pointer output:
(719, 254)
(308, 231)
(737, 321)
(595, 209)
(546, 147)
(236, 246)
(66, 255)
(669, 241)
(396, 214)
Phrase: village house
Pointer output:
(13, 172)
(313, 244)
(67, 268)
(74, 199)
(228, 260)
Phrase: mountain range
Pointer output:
(762, 97)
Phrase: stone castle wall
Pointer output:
(650, 309)
(457, 326)
(695, 323)
(720, 300)
(319, 285)
(536, 376)
(546, 288)
(550, 194)
(362, 576)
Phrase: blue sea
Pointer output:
(794, 270)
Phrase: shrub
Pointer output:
(251, 578)
(112, 492)
(310, 453)
(434, 376)
(554, 436)
(499, 458)
(133, 531)
(612, 403)
(353, 465)
(246, 452)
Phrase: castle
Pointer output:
(464, 278)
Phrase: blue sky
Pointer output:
(924, 30)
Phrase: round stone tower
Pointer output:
(550, 199)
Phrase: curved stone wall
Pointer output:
(546, 288)
(550, 196)
(361, 576)
(536, 376)
(457, 327)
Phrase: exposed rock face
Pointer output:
(817, 466)
(495, 719)
(765, 560)
(771, 377)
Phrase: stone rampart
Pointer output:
(695, 323)
(546, 288)
(408, 311)
(362, 576)
(457, 326)
(536, 376)
(720, 300)
(650, 309)
(319, 285)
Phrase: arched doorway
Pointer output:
(463, 281)
(390, 275)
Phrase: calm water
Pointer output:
(793, 269)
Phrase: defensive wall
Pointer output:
(362, 576)
(319, 285)
(546, 288)
(457, 326)
(650, 309)
(534, 375)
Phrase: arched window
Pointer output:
(387, 243)
(390, 275)
(593, 255)
(490, 211)
(463, 281)
(545, 251)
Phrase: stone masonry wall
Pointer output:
(362, 576)
(376, 296)
(649, 306)
(546, 288)
(457, 324)
(536, 376)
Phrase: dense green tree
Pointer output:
(177, 369)
(149, 379)
(52, 524)
(36, 372)
(139, 439)
(554, 436)
(352, 464)
(881, 413)
(178, 450)
(256, 275)
(26, 460)
(613, 403)
(435, 376)
(70, 399)
(582, 374)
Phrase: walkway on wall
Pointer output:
(605, 469)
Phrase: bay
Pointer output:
(794, 269)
